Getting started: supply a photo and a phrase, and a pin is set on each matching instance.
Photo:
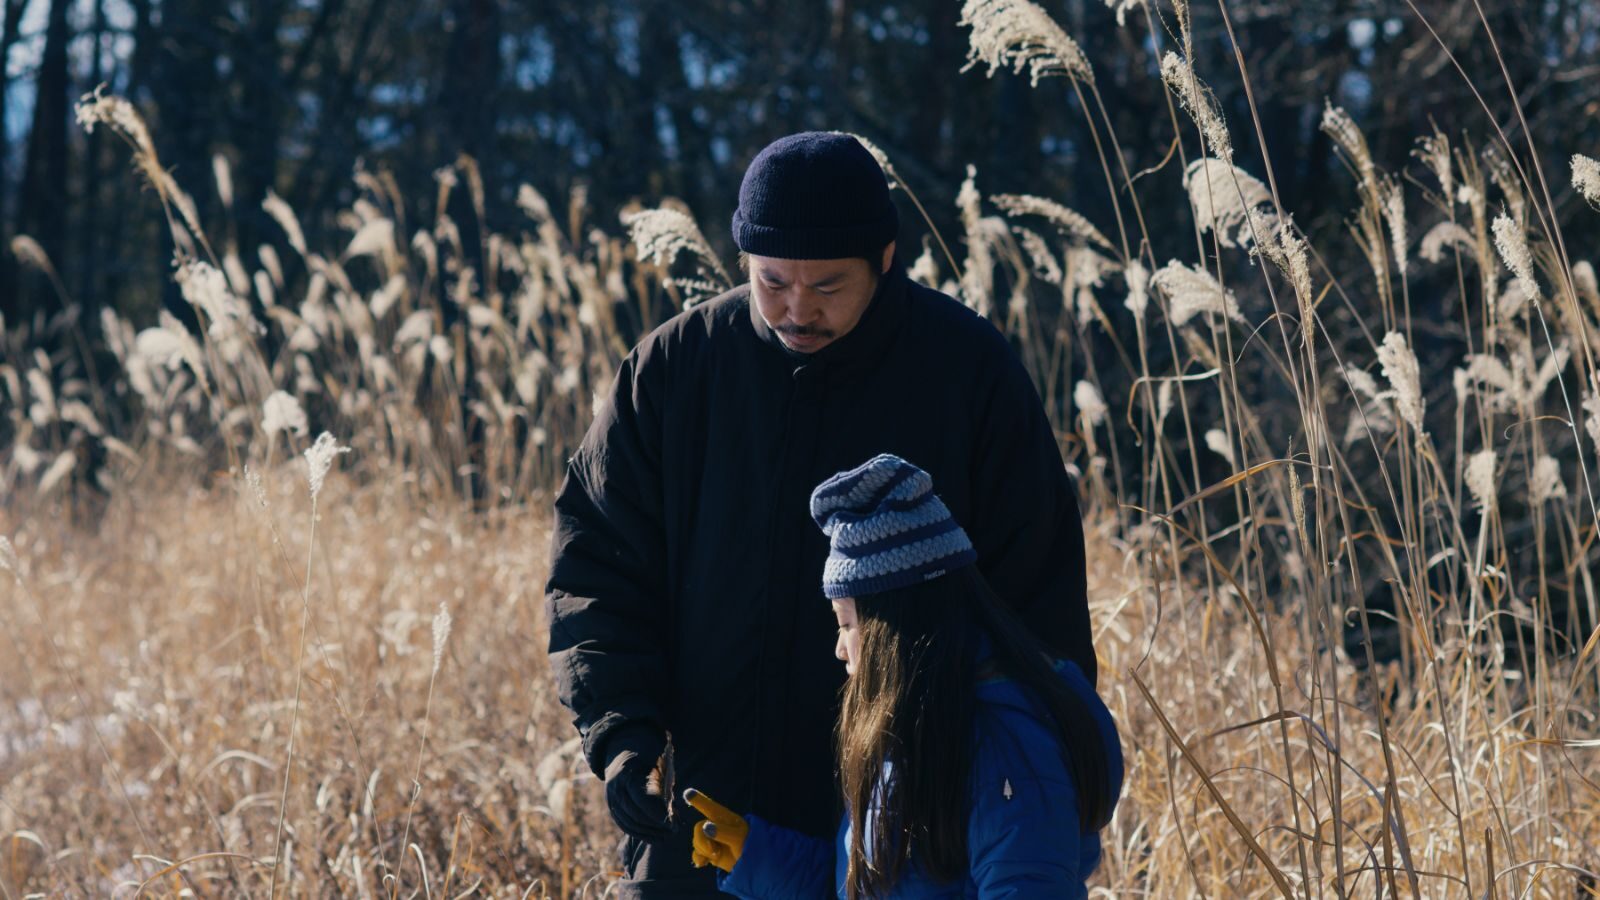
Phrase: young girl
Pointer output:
(972, 764)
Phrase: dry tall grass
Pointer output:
(1343, 585)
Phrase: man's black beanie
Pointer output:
(814, 195)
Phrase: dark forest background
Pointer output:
(602, 102)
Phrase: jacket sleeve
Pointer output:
(1027, 527)
(606, 593)
(1023, 840)
(780, 864)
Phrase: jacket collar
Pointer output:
(879, 325)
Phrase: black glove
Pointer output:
(636, 805)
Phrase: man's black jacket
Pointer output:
(685, 585)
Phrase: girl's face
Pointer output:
(848, 649)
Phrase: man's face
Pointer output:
(811, 303)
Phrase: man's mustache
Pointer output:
(803, 331)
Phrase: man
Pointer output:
(683, 605)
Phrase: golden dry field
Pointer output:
(1342, 573)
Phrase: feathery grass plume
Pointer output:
(1190, 292)
(1362, 381)
(169, 344)
(42, 411)
(1513, 247)
(282, 412)
(1217, 441)
(1019, 34)
(374, 238)
(977, 277)
(1446, 234)
(1434, 151)
(1404, 376)
(1588, 288)
(1586, 178)
(1488, 371)
(1197, 100)
(206, 288)
(532, 203)
(660, 235)
(283, 214)
(1591, 405)
(1297, 504)
(271, 265)
(265, 289)
(1394, 214)
(1545, 483)
(1504, 175)
(925, 270)
(1287, 251)
(1138, 281)
(319, 458)
(8, 558)
(60, 468)
(252, 480)
(1122, 7)
(1091, 406)
(1038, 251)
(1513, 300)
(29, 252)
(1226, 199)
(1337, 124)
(1480, 479)
(1069, 222)
(1086, 270)
(1164, 401)
(79, 414)
(441, 634)
(96, 108)
(222, 173)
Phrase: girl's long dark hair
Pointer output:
(911, 705)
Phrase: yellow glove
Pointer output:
(720, 839)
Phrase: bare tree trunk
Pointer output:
(44, 187)
(8, 38)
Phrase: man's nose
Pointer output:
(803, 308)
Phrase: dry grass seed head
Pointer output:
(1230, 201)
(1405, 377)
(1091, 405)
(1443, 235)
(282, 412)
(1513, 246)
(441, 634)
(1074, 225)
(1480, 479)
(319, 458)
(1191, 291)
(1197, 100)
(1545, 483)
(1586, 178)
(1021, 35)
(1434, 151)
(1337, 124)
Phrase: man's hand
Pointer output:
(720, 839)
(636, 805)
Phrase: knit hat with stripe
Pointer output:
(887, 528)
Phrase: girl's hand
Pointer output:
(720, 839)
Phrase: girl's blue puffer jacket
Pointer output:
(1023, 838)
